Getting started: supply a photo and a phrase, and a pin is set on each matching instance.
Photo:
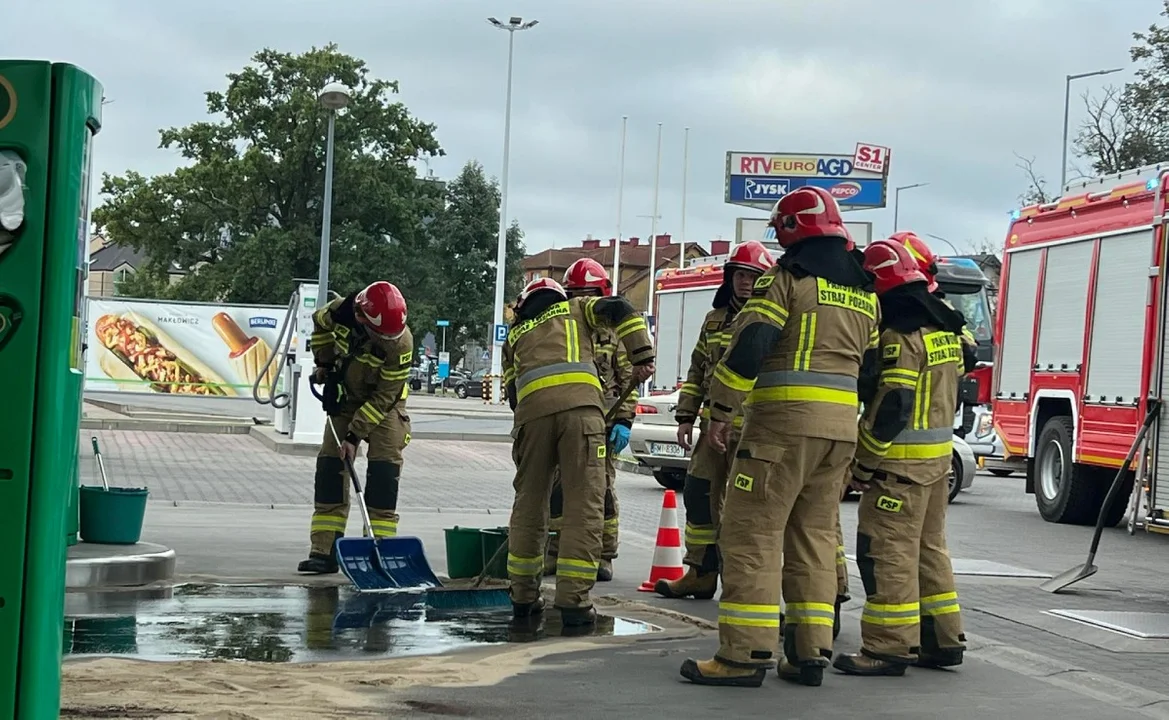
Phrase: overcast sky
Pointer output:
(953, 87)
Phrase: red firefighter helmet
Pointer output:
(807, 212)
(536, 286)
(892, 265)
(382, 309)
(751, 256)
(921, 253)
(587, 274)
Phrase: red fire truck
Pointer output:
(1081, 344)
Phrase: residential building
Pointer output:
(110, 264)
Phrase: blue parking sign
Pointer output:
(500, 333)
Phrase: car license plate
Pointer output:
(668, 449)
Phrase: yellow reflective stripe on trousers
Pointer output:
(810, 613)
(901, 614)
(525, 566)
(840, 558)
(900, 376)
(328, 523)
(940, 604)
(806, 342)
(768, 309)
(804, 385)
(578, 569)
(922, 444)
(700, 534)
(384, 528)
(372, 414)
(572, 340)
(748, 615)
(690, 389)
(732, 379)
(738, 421)
(565, 373)
(865, 439)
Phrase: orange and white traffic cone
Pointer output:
(667, 563)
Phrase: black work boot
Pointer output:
(576, 617)
(695, 584)
(860, 664)
(810, 674)
(718, 673)
(605, 570)
(318, 564)
(940, 658)
(528, 609)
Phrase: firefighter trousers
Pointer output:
(612, 511)
(383, 470)
(779, 531)
(911, 604)
(574, 441)
(702, 496)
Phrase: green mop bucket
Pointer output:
(111, 515)
(464, 552)
(492, 539)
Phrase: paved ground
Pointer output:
(204, 484)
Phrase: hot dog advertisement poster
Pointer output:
(143, 346)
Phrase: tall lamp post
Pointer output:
(334, 97)
(1067, 99)
(897, 199)
(942, 239)
(511, 26)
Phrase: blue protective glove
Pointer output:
(619, 438)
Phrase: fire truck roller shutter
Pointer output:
(670, 322)
(1014, 369)
(1064, 307)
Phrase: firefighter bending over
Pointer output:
(584, 278)
(554, 391)
(796, 352)
(706, 478)
(363, 352)
(901, 466)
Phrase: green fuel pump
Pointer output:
(49, 113)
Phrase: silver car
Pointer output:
(654, 443)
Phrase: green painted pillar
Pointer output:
(48, 116)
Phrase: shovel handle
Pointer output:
(353, 479)
(487, 567)
(1153, 411)
(93, 442)
(620, 401)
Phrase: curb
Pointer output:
(633, 466)
(189, 426)
(281, 446)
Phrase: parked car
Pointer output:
(466, 386)
(653, 441)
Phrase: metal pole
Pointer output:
(896, 206)
(685, 174)
(327, 219)
(1063, 165)
(501, 251)
(444, 338)
(620, 199)
(653, 232)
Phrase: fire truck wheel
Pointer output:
(1065, 492)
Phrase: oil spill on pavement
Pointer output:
(294, 624)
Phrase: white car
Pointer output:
(653, 441)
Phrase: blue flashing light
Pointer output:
(962, 262)
(1151, 184)
(1015, 214)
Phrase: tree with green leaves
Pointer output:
(243, 215)
(466, 235)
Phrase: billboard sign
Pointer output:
(873, 158)
(759, 179)
(212, 350)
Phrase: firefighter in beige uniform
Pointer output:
(706, 478)
(363, 352)
(911, 612)
(553, 389)
(927, 262)
(584, 278)
(796, 353)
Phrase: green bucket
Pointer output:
(113, 516)
(464, 552)
(492, 540)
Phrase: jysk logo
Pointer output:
(764, 189)
(845, 190)
(262, 322)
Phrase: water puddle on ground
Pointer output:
(293, 624)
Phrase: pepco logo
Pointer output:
(845, 190)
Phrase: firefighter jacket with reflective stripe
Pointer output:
(693, 398)
(796, 352)
(551, 359)
(615, 372)
(924, 368)
(374, 369)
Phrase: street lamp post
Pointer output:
(513, 24)
(334, 97)
(897, 199)
(952, 245)
(1067, 98)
